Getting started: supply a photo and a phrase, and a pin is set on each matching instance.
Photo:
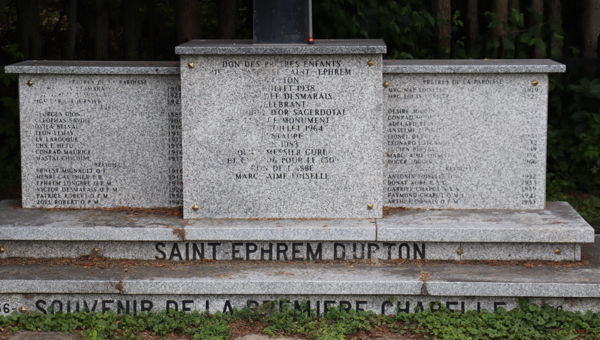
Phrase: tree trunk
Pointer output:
(150, 19)
(472, 24)
(132, 28)
(227, 18)
(501, 11)
(186, 20)
(443, 13)
(71, 28)
(100, 33)
(537, 20)
(556, 25)
(29, 29)
(591, 27)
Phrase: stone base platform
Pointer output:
(553, 234)
(381, 286)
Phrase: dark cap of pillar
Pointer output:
(280, 21)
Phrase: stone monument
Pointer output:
(282, 151)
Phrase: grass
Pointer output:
(529, 321)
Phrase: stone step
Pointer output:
(380, 286)
(553, 234)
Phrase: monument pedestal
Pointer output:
(380, 286)
(553, 234)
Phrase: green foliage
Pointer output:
(529, 321)
(574, 137)
(515, 33)
(407, 27)
(10, 113)
(10, 175)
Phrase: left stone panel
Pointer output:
(100, 134)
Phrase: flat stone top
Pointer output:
(93, 67)
(17, 223)
(558, 223)
(474, 66)
(341, 46)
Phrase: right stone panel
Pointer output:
(465, 141)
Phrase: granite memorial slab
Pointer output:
(466, 134)
(297, 251)
(282, 131)
(556, 233)
(311, 305)
(100, 134)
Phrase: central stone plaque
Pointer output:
(282, 131)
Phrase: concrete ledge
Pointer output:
(105, 225)
(321, 46)
(59, 286)
(318, 304)
(559, 222)
(93, 67)
(308, 279)
(282, 230)
(83, 225)
(474, 66)
(557, 225)
(301, 251)
(515, 289)
(286, 280)
(378, 286)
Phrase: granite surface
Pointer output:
(321, 46)
(465, 141)
(559, 225)
(559, 222)
(382, 286)
(93, 67)
(17, 223)
(285, 136)
(474, 66)
(100, 140)
(282, 230)
(319, 304)
(107, 225)
(299, 251)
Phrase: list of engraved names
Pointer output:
(87, 152)
(463, 141)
